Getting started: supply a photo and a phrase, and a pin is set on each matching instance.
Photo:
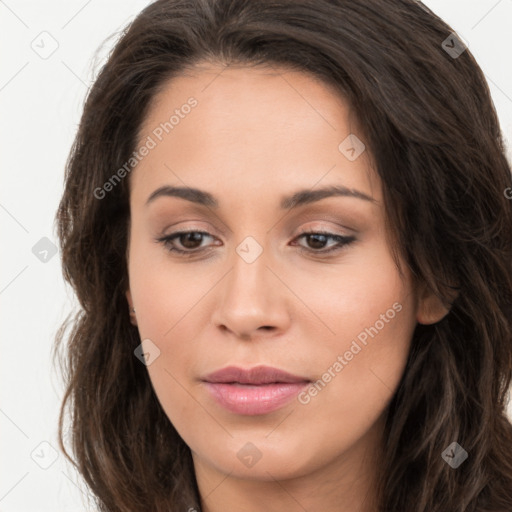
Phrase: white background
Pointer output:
(41, 101)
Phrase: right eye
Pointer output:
(185, 238)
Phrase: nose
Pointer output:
(252, 299)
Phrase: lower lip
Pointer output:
(254, 399)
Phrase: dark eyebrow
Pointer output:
(309, 196)
(190, 194)
(297, 199)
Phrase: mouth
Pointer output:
(254, 391)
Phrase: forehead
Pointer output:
(219, 84)
(249, 126)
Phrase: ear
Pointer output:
(129, 298)
(431, 308)
(133, 318)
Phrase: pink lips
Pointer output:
(258, 390)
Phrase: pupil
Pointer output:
(316, 237)
(191, 236)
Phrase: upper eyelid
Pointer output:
(302, 220)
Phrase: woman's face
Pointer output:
(253, 290)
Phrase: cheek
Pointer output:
(370, 312)
(362, 296)
(166, 293)
(361, 370)
(374, 358)
(171, 377)
(166, 301)
(353, 392)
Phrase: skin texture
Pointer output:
(257, 135)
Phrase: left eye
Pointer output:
(189, 239)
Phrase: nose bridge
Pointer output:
(249, 276)
(249, 299)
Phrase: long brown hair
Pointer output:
(430, 124)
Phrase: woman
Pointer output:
(288, 229)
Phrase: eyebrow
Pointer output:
(299, 198)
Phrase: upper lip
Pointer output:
(256, 375)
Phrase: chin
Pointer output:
(258, 458)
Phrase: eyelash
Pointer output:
(343, 241)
